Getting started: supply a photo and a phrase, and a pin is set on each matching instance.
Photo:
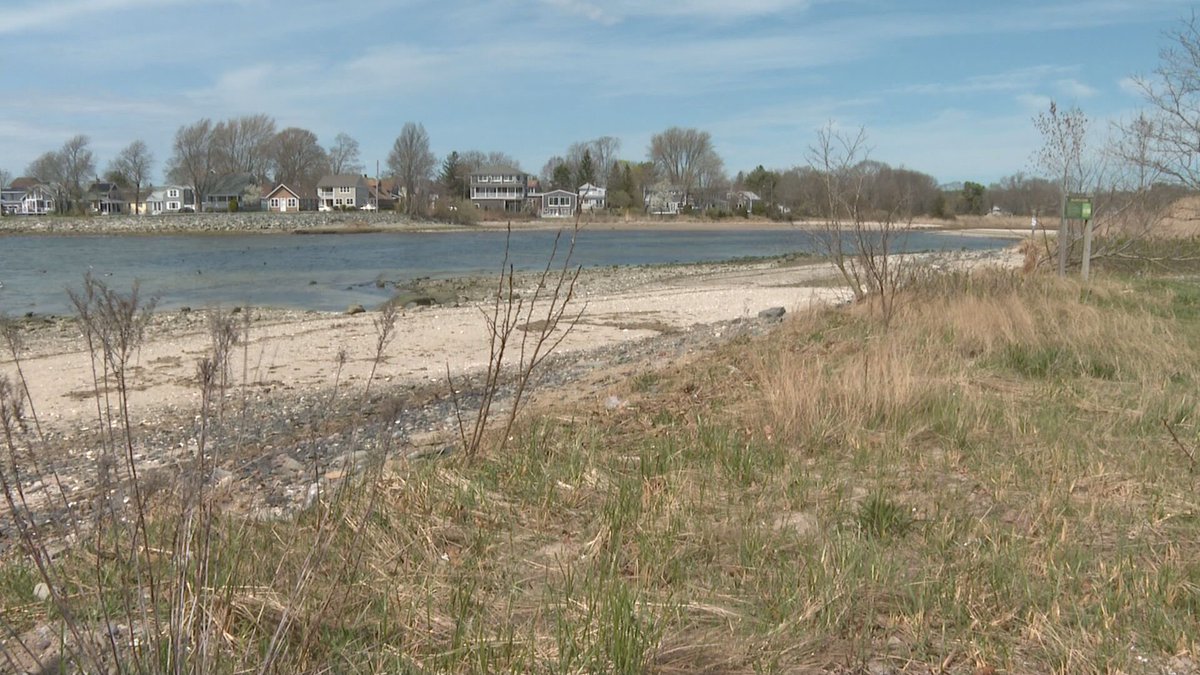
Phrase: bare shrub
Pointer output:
(531, 326)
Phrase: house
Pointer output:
(168, 199)
(744, 200)
(282, 199)
(384, 194)
(105, 198)
(592, 197)
(499, 188)
(343, 191)
(234, 191)
(37, 201)
(10, 201)
(663, 200)
(558, 204)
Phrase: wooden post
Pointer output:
(1063, 237)
(1087, 249)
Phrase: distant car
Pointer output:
(368, 207)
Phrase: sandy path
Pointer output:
(301, 352)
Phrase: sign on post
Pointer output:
(1079, 207)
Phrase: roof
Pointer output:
(279, 187)
(559, 192)
(24, 183)
(497, 169)
(342, 180)
(233, 184)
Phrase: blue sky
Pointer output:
(948, 88)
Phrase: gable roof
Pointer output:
(278, 188)
(232, 185)
(342, 180)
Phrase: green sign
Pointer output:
(1079, 207)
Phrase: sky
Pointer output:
(949, 88)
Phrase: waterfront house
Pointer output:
(663, 200)
(558, 204)
(499, 188)
(592, 197)
(37, 201)
(105, 198)
(10, 200)
(343, 191)
(235, 191)
(168, 199)
(283, 199)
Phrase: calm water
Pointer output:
(331, 272)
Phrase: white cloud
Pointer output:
(1073, 88)
(610, 12)
(47, 14)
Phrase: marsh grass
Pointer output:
(986, 481)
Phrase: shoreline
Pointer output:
(350, 223)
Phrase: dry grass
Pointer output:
(987, 483)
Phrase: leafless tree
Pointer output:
(343, 155)
(242, 145)
(298, 160)
(411, 162)
(1064, 137)
(132, 165)
(66, 170)
(604, 153)
(685, 157)
(860, 239)
(1173, 94)
(193, 161)
(5, 178)
(79, 164)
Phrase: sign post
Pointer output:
(1079, 207)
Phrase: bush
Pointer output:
(456, 211)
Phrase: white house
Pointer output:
(592, 197)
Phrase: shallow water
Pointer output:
(329, 273)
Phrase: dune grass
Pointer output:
(1003, 477)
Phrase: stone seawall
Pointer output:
(213, 222)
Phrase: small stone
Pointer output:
(355, 309)
(772, 313)
(285, 462)
(612, 403)
(41, 591)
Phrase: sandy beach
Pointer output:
(292, 351)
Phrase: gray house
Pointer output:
(343, 191)
(238, 188)
(499, 188)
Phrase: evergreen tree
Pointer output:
(587, 171)
(453, 177)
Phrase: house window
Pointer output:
(292, 201)
(173, 194)
(172, 206)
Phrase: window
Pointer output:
(173, 194)
(173, 206)
(292, 201)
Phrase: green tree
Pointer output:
(453, 176)
(971, 201)
(587, 171)
(561, 180)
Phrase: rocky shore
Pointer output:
(225, 223)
